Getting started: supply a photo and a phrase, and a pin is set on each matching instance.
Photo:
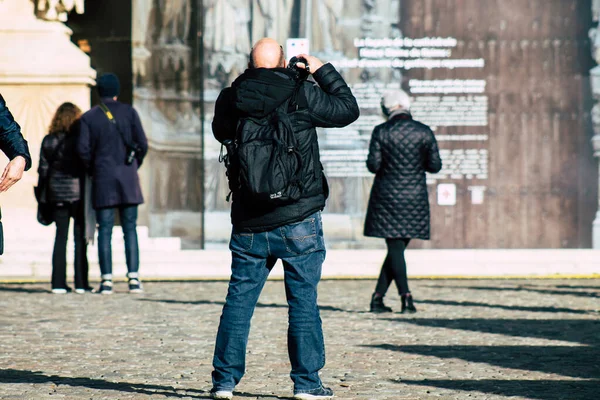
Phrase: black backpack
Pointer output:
(266, 159)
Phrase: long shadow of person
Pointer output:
(15, 376)
(542, 389)
(21, 289)
(12, 376)
(222, 303)
(578, 360)
(507, 307)
(523, 288)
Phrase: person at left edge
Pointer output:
(14, 145)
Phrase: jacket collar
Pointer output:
(400, 114)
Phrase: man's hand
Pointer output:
(12, 173)
(313, 62)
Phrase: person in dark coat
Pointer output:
(400, 152)
(61, 176)
(105, 148)
(291, 232)
(14, 145)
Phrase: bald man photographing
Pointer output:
(267, 120)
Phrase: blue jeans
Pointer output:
(301, 248)
(106, 221)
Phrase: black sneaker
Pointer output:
(106, 287)
(221, 394)
(135, 286)
(320, 393)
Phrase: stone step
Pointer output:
(45, 245)
(211, 264)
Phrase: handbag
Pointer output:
(44, 210)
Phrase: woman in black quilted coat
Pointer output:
(60, 176)
(400, 153)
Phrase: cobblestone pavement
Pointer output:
(488, 339)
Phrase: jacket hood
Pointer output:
(259, 91)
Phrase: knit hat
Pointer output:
(393, 98)
(108, 85)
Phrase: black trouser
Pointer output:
(394, 267)
(63, 212)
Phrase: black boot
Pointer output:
(407, 304)
(377, 305)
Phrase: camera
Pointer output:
(301, 73)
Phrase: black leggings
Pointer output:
(62, 215)
(394, 268)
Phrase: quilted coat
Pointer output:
(60, 168)
(400, 152)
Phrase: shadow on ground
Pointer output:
(579, 361)
(258, 305)
(572, 361)
(22, 289)
(527, 288)
(582, 331)
(507, 307)
(12, 376)
(531, 389)
(37, 377)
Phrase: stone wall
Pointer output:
(40, 68)
(166, 95)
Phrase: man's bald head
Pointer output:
(267, 53)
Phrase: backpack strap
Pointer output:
(298, 100)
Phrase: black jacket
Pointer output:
(400, 152)
(12, 142)
(60, 170)
(103, 153)
(256, 93)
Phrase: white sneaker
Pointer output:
(221, 394)
(320, 393)
(59, 291)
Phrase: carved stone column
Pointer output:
(595, 82)
(40, 68)
(596, 224)
(167, 101)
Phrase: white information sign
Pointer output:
(477, 194)
(446, 194)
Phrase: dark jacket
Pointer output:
(103, 153)
(12, 142)
(60, 169)
(256, 93)
(400, 152)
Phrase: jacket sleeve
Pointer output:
(433, 162)
(84, 144)
(12, 142)
(43, 164)
(139, 137)
(332, 104)
(374, 158)
(225, 121)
